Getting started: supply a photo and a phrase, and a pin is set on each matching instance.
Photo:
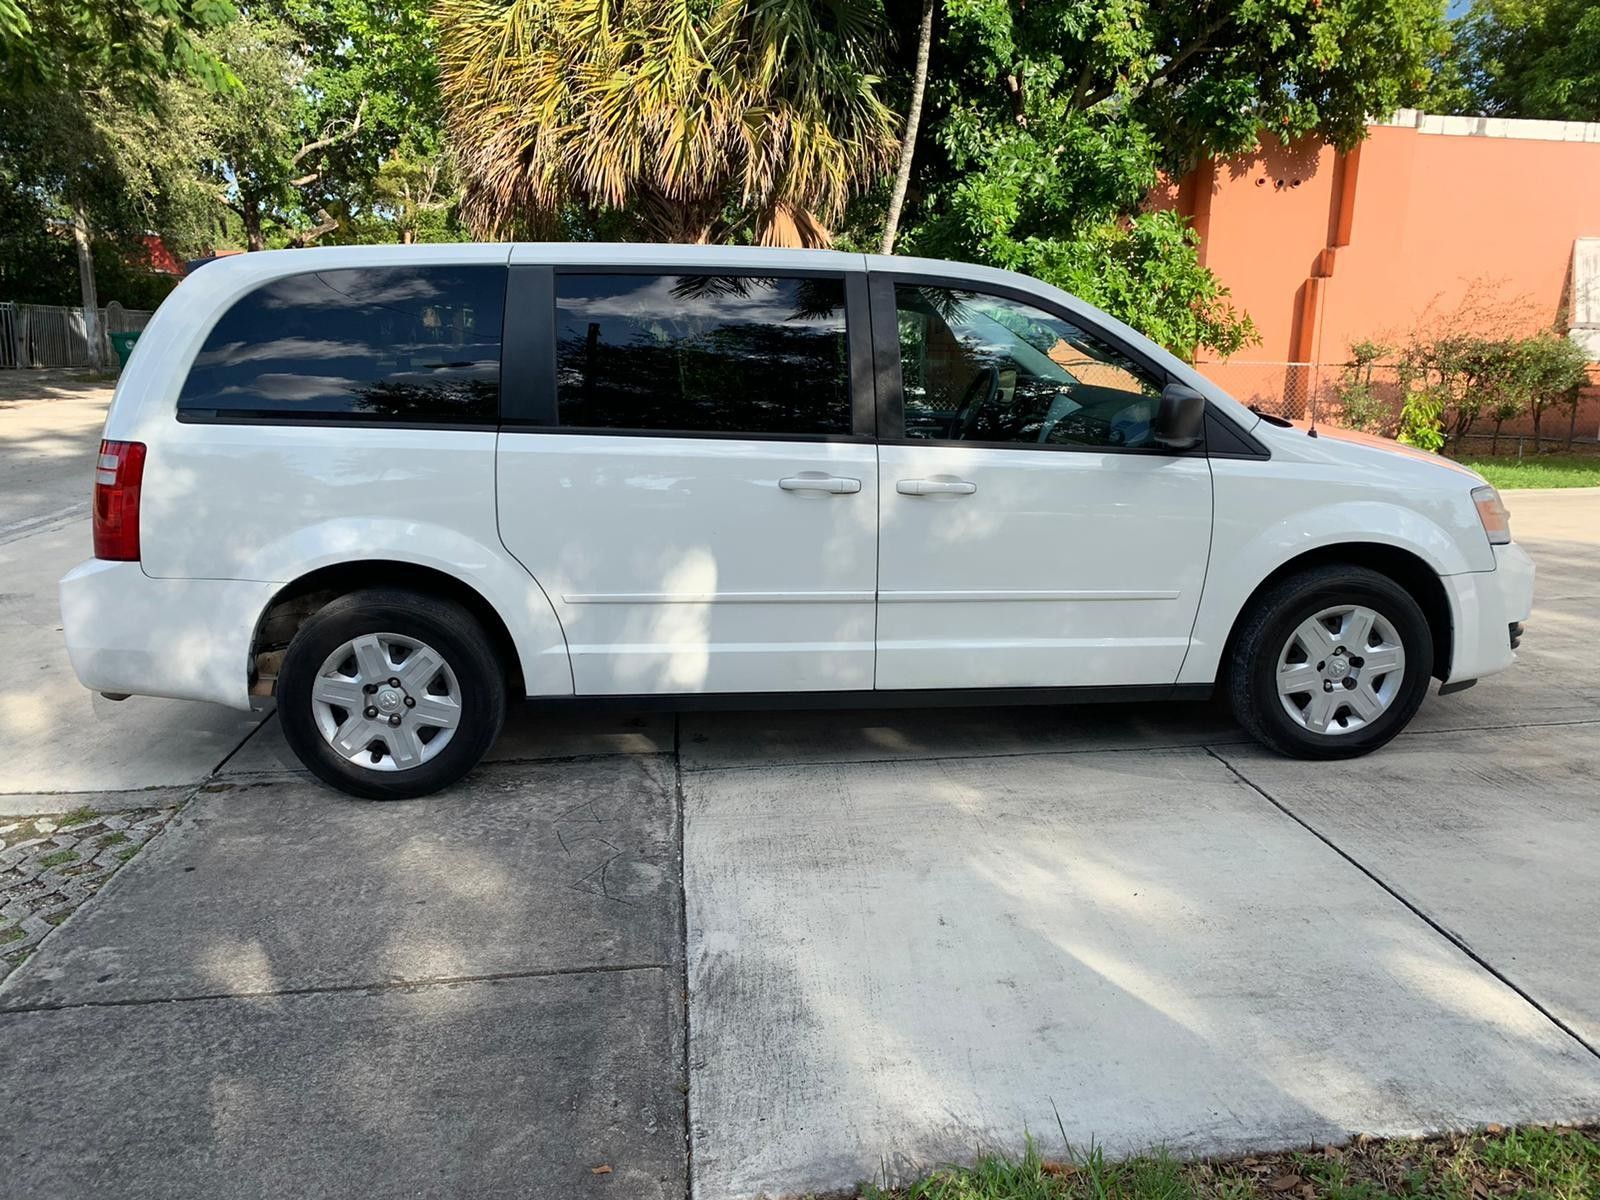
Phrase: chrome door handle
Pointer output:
(935, 487)
(821, 483)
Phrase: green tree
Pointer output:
(679, 122)
(371, 78)
(79, 97)
(415, 195)
(1055, 118)
(257, 138)
(64, 46)
(1523, 58)
(333, 99)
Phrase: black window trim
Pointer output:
(890, 386)
(335, 420)
(528, 380)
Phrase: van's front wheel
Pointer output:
(1330, 663)
(388, 694)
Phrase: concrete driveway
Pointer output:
(54, 736)
(787, 951)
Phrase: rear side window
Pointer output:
(387, 345)
(725, 354)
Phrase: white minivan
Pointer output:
(395, 486)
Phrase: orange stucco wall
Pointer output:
(1324, 249)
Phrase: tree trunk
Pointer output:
(908, 141)
(253, 238)
(91, 298)
(1572, 420)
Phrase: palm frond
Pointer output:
(672, 107)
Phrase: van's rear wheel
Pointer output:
(1330, 663)
(387, 694)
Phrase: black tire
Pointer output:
(1250, 674)
(441, 624)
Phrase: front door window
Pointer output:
(978, 368)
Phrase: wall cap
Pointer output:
(1494, 127)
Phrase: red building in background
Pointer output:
(1431, 221)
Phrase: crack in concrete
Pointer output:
(683, 955)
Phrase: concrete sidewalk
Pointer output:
(910, 962)
(292, 993)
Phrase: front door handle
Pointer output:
(935, 487)
(821, 483)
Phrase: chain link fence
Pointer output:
(1370, 398)
(51, 335)
(1297, 391)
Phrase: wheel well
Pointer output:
(306, 595)
(1405, 568)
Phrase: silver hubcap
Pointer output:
(386, 702)
(1340, 669)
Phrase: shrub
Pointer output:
(1422, 418)
(1453, 380)
(1361, 406)
(1554, 369)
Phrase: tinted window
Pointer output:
(394, 344)
(981, 368)
(702, 353)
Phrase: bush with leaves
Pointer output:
(1554, 368)
(1361, 405)
(1454, 380)
(1422, 418)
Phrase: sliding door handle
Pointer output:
(935, 487)
(821, 483)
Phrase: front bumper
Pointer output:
(1484, 605)
(187, 639)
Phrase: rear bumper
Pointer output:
(187, 639)
(1483, 606)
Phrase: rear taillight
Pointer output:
(117, 478)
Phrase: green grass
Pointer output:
(59, 857)
(10, 933)
(77, 816)
(1544, 471)
(115, 838)
(1496, 1164)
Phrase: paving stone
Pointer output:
(45, 896)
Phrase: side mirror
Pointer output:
(1181, 417)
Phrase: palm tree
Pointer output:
(695, 119)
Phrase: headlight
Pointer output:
(1493, 513)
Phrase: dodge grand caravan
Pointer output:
(395, 486)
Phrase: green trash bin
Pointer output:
(122, 343)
